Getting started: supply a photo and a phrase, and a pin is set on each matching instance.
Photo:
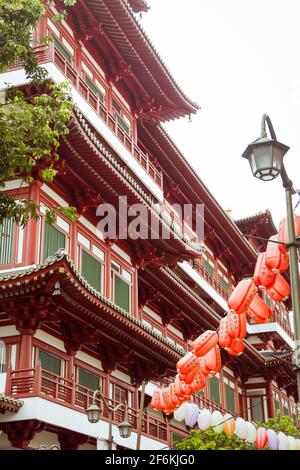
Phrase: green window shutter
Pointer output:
(122, 124)
(91, 270)
(208, 268)
(88, 380)
(122, 293)
(257, 411)
(268, 300)
(214, 390)
(277, 406)
(230, 399)
(6, 241)
(285, 411)
(62, 50)
(93, 87)
(53, 240)
(117, 107)
(49, 362)
(224, 284)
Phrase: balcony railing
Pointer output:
(52, 54)
(211, 280)
(37, 382)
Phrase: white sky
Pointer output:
(237, 59)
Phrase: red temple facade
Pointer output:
(80, 312)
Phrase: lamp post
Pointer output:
(93, 413)
(265, 157)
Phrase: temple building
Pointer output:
(81, 312)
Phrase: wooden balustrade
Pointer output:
(51, 54)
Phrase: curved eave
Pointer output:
(119, 22)
(138, 5)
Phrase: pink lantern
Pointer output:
(261, 438)
(273, 442)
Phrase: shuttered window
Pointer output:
(257, 409)
(224, 284)
(88, 380)
(53, 240)
(2, 357)
(208, 267)
(214, 390)
(122, 124)
(93, 88)
(230, 402)
(62, 50)
(122, 293)
(49, 362)
(91, 270)
(6, 242)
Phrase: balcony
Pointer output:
(53, 55)
(35, 382)
(212, 280)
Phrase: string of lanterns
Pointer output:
(204, 359)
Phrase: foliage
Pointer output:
(210, 440)
(29, 128)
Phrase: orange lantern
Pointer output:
(263, 277)
(280, 290)
(204, 343)
(276, 260)
(187, 364)
(236, 348)
(242, 295)
(229, 424)
(155, 401)
(174, 399)
(283, 234)
(224, 338)
(182, 390)
(236, 325)
(258, 310)
(188, 378)
(198, 382)
(212, 361)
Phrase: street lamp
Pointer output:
(265, 157)
(93, 414)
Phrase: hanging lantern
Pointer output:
(292, 443)
(217, 421)
(182, 390)
(224, 338)
(236, 324)
(298, 444)
(229, 424)
(263, 277)
(258, 310)
(189, 378)
(155, 401)
(236, 348)
(241, 428)
(192, 414)
(276, 259)
(280, 290)
(187, 364)
(251, 432)
(261, 438)
(283, 233)
(283, 442)
(180, 413)
(212, 361)
(198, 382)
(273, 441)
(204, 420)
(174, 399)
(204, 343)
(242, 295)
(163, 402)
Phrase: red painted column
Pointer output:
(107, 287)
(25, 356)
(270, 401)
(32, 228)
(73, 242)
(135, 295)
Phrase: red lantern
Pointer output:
(261, 438)
(224, 338)
(242, 295)
(212, 361)
(182, 390)
(155, 401)
(188, 378)
(283, 234)
(187, 364)
(237, 347)
(174, 399)
(204, 343)
(236, 324)
(275, 259)
(280, 290)
(263, 277)
(258, 310)
(198, 382)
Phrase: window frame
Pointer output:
(131, 284)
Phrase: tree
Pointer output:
(30, 127)
(210, 440)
